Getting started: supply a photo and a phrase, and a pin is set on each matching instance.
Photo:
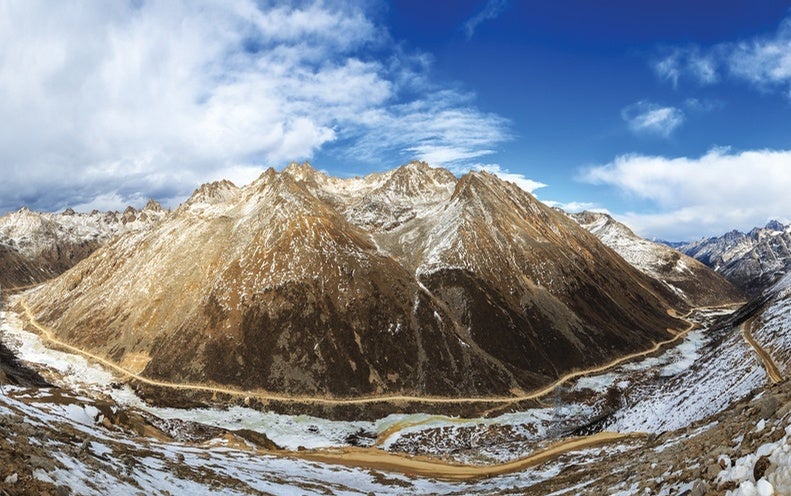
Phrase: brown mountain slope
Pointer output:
(17, 270)
(692, 281)
(408, 281)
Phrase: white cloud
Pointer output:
(708, 195)
(442, 128)
(644, 117)
(763, 61)
(668, 67)
(491, 10)
(115, 102)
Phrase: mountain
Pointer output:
(410, 281)
(695, 283)
(37, 246)
(752, 261)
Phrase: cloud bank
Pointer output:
(703, 196)
(112, 102)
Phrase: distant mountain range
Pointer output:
(37, 246)
(752, 261)
(410, 281)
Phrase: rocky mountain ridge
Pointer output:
(36, 246)
(752, 261)
(410, 281)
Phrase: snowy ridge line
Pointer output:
(268, 396)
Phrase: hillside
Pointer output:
(692, 281)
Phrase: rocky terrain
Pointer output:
(752, 261)
(694, 282)
(409, 282)
(37, 246)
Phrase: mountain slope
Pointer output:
(752, 261)
(691, 280)
(407, 281)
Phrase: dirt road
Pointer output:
(769, 365)
(375, 458)
(438, 469)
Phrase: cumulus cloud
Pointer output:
(763, 61)
(707, 195)
(645, 117)
(113, 102)
(491, 10)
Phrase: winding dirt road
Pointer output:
(769, 365)
(438, 469)
(49, 335)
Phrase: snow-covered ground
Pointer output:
(775, 480)
(93, 460)
(773, 329)
(723, 375)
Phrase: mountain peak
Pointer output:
(416, 164)
(417, 179)
(153, 206)
(775, 225)
(212, 193)
(302, 171)
(475, 183)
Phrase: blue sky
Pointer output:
(673, 116)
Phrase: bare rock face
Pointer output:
(37, 246)
(410, 281)
(689, 279)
